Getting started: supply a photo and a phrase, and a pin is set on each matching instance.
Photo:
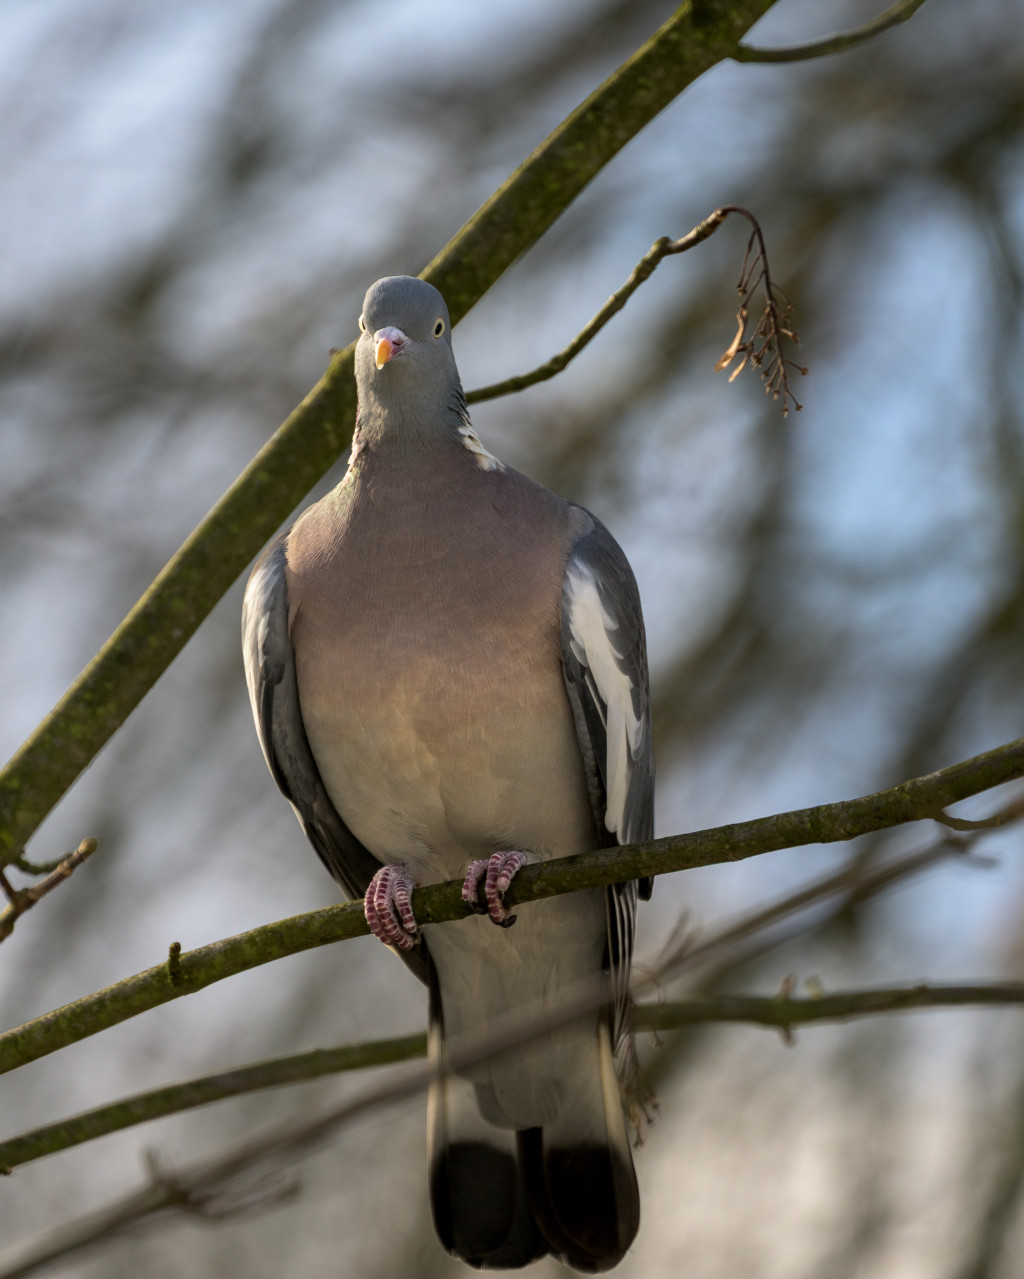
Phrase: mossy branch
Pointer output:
(916, 800)
(695, 38)
(159, 1102)
(782, 1012)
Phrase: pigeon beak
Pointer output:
(387, 343)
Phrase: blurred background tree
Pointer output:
(196, 198)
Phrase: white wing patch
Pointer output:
(591, 629)
(255, 628)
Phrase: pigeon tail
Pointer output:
(579, 1174)
(501, 1196)
(477, 1192)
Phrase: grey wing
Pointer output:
(274, 693)
(604, 663)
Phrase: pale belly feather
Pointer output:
(436, 768)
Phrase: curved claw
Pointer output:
(497, 872)
(388, 906)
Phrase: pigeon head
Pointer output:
(405, 370)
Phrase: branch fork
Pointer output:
(20, 900)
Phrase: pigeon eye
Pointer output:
(438, 328)
(362, 325)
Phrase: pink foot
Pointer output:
(496, 872)
(388, 906)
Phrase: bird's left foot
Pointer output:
(492, 875)
(388, 906)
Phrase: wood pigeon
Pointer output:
(448, 673)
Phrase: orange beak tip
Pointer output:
(383, 352)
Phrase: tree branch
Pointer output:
(916, 800)
(235, 1181)
(893, 16)
(315, 435)
(157, 1103)
(781, 1012)
(687, 954)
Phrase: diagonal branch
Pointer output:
(919, 799)
(157, 1103)
(893, 16)
(315, 435)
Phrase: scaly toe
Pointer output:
(471, 885)
(501, 869)
(388, 906)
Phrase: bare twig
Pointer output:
(20, 900)
(854, 881)
(783, 1010)
(644, 269)
(915, 800)
(1003, 817)
(773, 326)
(895, 14)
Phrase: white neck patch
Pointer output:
(471, 441)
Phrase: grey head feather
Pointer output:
(417, 394)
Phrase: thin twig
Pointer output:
(854, 881)
(893, 16)
(915, 800)
(23, 899)
(644, 269)
(773, 326)
(1005, 815)
(783, 1010)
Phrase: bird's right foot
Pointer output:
(388, 906)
